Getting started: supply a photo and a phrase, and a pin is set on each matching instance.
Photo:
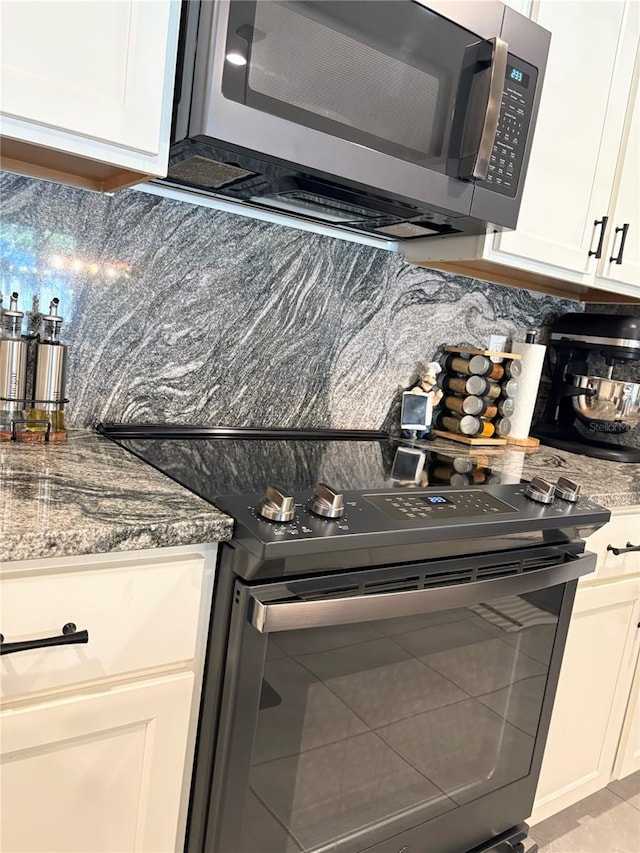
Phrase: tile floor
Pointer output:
(606, 822)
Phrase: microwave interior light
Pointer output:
(236, 58)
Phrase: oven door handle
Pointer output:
(293, 615)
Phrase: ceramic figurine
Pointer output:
(426, 387)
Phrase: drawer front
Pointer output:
(624, 527)
(139, 615)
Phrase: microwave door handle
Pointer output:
(294, 615)
(492, 112)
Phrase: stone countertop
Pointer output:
(612, 484)
(88, 496)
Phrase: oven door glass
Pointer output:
(392, 76)
(392, 722)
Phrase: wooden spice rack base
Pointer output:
(474, 441)
(529, 443)
(514, 356)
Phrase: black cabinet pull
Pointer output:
(69, 635)
(626, 550)
(603, 222)
(625, 231)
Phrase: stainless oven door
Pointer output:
(406, 702)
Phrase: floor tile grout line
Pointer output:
(637, 808)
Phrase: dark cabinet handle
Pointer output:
(69, 635)
(625, 231)
(603, 222)
(626, 550)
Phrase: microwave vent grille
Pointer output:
(407, 229)
(203, 172)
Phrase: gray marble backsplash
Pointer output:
(179, 313)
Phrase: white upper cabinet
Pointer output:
(619, 267)
(582, 180)
(86, 88)
(574, 153)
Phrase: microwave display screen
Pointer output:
(518, 76)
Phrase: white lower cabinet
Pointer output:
(97, 738)
(100, 772)
(628, 757)
(594, 736)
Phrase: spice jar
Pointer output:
(510, 388)
(506, 406)
(477, 365)
(477, 386)
(513, 368)
(467, 425)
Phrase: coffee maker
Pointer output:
(583, 409)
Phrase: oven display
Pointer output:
(518, 76)
(407, 506)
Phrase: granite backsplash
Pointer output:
(175, 312)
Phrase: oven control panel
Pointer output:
(397, 517)
(404, 507)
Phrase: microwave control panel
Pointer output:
(505, 164)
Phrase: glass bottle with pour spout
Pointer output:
(50, 374)
(13, 366)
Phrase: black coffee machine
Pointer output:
(584, 409)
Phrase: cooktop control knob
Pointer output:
(276, 505)
(540, 491)
(326, 502)
(567, 490)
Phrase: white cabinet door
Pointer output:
(628, 757)
(96, 772)
(89, 79)
(622, 529)
(625, 205)
(593, 692)
(126, 609)
(576, 140)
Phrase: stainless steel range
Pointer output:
(384, 652)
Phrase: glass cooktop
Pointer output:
(213, 465)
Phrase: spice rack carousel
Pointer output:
(479, 397)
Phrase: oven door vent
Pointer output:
(498, 570)
(421, 576)
(515, 567)
(541, 562)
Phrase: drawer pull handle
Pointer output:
(626, 550)
(69, 635)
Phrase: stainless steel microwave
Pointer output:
(397, 118)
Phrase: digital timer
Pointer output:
(518, 76)
(436, 499)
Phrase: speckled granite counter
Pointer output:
(87, 496)
(611, 484)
